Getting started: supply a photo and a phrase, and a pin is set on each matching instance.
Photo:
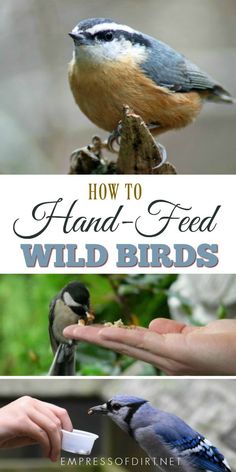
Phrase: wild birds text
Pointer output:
(141, 230)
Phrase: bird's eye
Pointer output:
(116, 406)
(108, 36)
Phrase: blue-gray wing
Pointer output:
(170, 69)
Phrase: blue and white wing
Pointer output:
(190, 445)
(201, 454)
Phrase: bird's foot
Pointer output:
(83, 161)
(93, 150)
(114, 138)
(153, 125)
(163, 153)
(88, 159)
(161, 148)
(97, 146)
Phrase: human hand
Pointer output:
(27, 421)
(174, 347)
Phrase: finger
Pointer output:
(166, 351)
(53, 430)
(61, 414)
(46, 409)
(82, 333)
(87, 333)
(135, 343)
(19, 441)
(143, 339)
(92, 335)
(35, 434)
(171, 346)
(64, 418)
(142, 344)
(169, 365)
(164, 326)
(135, 353)
(140, 337)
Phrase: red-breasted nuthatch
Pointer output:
(114, 65)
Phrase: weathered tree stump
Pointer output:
(139, 153)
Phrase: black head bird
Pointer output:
(70, 306)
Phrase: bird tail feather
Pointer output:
(220, 95)
(64, 361)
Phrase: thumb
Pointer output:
(165, 326)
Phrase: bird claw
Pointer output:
(161, 148)
(82, 152)
(114, 138)
(163, 154)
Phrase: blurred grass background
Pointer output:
(40, 125)
(137, 299)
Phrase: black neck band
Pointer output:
(130, 414)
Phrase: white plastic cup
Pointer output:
(78, 442)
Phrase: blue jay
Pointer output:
(169, 441)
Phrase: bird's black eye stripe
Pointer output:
(132, 406)
(134, 38)
(105, 35)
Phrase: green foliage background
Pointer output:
(24, 301)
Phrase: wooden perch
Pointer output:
(138, 154)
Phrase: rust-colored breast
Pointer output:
(101, 92)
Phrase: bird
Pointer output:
(114, 65)
(70, 306)
(165, 437)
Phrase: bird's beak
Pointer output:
(102, 409)
(78, 38)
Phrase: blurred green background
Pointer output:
(137, 299)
